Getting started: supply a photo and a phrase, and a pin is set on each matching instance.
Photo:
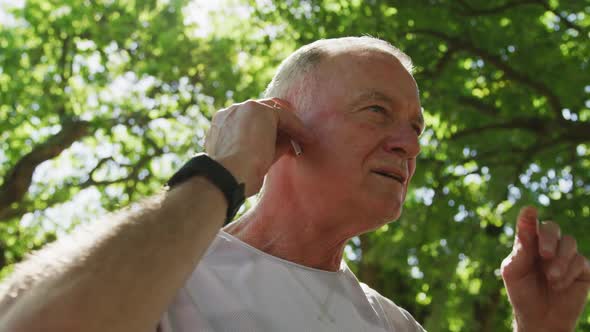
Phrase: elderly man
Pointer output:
(352, 106)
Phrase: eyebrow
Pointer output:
(370, 95)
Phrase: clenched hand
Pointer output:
(247, 138)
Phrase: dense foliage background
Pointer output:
(101, 100)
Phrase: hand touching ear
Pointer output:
(247, 138)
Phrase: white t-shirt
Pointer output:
(237, 287)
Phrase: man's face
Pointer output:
(366, 114)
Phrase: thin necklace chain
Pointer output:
(324, 314)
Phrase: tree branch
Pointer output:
(25, 206)
(133, 174)
(563, 19)
(440, 65)
(540, 87)
(468, 10)
(18, 179)
(90, 181)
(478, 105)
(532, 124)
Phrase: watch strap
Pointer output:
(203, 165)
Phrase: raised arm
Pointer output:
(123, 276)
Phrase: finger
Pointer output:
(566, 251)
(283, 146)
(284, 141)
(214, 127)
(276, 103)
(289, 122)
(210, 138)
(578, 270)
(283, 103)
(526, 227)
(524, 253)
(269, 102)
(549, 234)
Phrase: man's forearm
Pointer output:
(124, 279)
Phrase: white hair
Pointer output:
(294, 77)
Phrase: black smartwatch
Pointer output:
(203, 165)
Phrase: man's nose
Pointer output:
(404, 141)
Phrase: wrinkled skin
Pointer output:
(366, 119)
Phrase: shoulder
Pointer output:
(397, 318)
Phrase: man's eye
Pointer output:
(418, 130)
(376, 109)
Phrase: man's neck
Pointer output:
(291, 234)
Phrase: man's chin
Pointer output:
(389, 215)
(393, 216)
(380, 222)
(392, 210)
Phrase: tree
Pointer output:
(101, 101)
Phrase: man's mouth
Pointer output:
(391, 176)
